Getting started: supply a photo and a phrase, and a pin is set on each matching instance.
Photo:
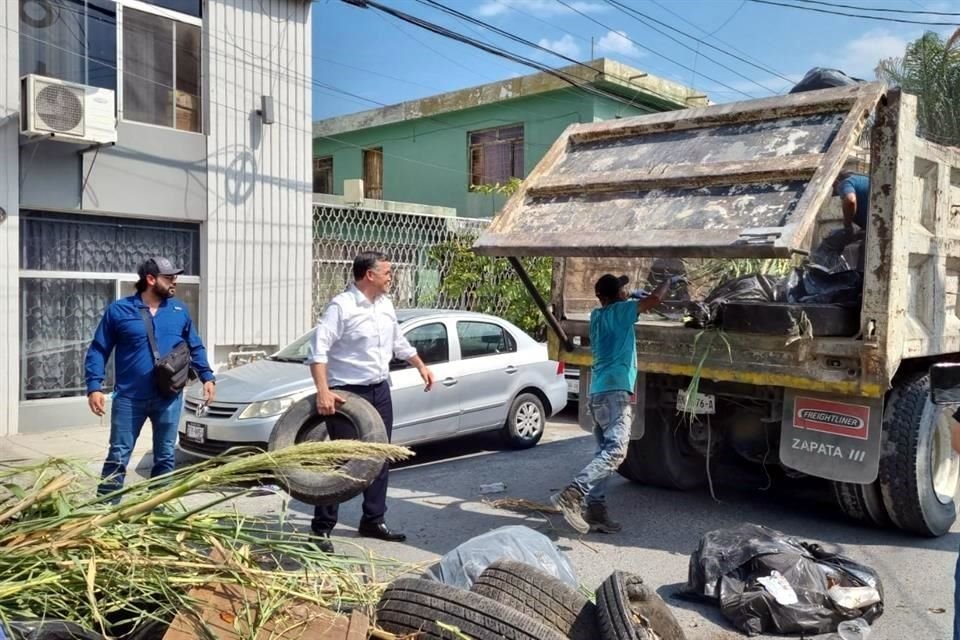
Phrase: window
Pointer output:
(483, 339)
(72, 267)
(161, 71)
(431, 343)
(323, 175)
(72, 40)
(189, 7)
(496, 155)
(373, 173)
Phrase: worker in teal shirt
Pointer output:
(613, 376)
(123, 332)
(854, 192)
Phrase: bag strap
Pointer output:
(151, 337)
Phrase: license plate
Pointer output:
(573, 386)
(196, 432)
(703, 404)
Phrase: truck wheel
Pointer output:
(664, 456)
(862, 502)
(919, 470)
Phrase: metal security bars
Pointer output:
(421, 247)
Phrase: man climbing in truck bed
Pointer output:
(854, 192)
(612, 381)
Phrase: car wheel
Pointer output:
(416, 606)
(525, 422)
(302, 423)
(540, 596)
(919, 471)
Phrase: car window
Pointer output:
(296, 351)
(431, 342)
(483, 339)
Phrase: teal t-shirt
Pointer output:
(614, 347)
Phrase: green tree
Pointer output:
(930, 69)
(490, 285)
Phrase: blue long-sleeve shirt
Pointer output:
(122, 328)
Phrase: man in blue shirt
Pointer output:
(613, 376)
(854, 192)
(136, 397)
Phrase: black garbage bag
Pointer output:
(38, 629)
(811, 284)
(765, 581)
(756, 288)
(822, 78)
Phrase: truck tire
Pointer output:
(918, 469)
(628, 609)
(302, 423)
(415, 606)
(862, 502)
(539, 595)
(663, 457)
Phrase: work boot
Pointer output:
(570, 503)
(321, 540)
(599, 519)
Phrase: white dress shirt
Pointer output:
(357, 338)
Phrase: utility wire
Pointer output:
(636, 15)
(756, 60)
(856, 15)
(653, 51)
(509, 55)
(879, 9)
(629, 11)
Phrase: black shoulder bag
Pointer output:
(172, 371)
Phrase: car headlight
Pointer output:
(268, 408)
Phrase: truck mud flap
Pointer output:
(833, 437)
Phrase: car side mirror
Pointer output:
(397, 364)
(945, 383)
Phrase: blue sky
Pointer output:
(383, 60)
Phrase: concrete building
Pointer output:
(436, 150)
(209, 103)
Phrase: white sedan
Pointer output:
(490, 375)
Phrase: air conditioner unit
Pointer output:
(67, 111)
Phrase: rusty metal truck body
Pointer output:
(754, 180)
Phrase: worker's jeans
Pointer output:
(127, 416)
(612, 415)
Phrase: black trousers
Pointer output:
(375, 496)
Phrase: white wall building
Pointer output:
(197, 174)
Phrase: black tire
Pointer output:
(911, 439)
(526, 421)
(862, 502)
(412, 605)
(627, 609)
(663, 457)
(302, 423)
(540, 596)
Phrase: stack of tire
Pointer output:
(516, 601)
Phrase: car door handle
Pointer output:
(512, 369)
(449, 382)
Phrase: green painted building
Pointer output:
(434, 150)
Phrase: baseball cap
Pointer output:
(157, 266)
(609, 285)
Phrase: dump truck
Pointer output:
(832, 391)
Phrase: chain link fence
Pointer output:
(415, 244)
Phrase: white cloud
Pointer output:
(539, 8)
(565, 46)
(860, 56)
(617, 43)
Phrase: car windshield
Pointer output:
(296, 351)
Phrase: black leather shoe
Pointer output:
(381, 531)
(322, 541)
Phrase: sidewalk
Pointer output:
(84, 444)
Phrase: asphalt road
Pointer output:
(435, 499)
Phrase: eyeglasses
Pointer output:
(169, 278)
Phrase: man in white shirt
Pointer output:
(357, 337)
